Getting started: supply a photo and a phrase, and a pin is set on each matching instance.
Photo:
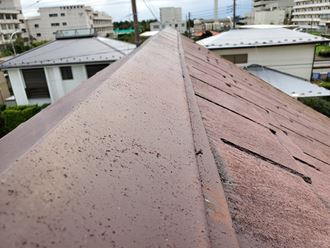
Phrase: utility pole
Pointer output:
(189, 28)
(234, 14)
(136, 23)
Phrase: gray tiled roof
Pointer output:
(72, 51)
(239, 38)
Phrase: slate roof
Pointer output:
(244, 38)
(170, 147)
(72, 51)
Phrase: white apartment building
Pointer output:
(272, 12)
(53, 19)
(11, 20)
(311, 13)
(170, 17)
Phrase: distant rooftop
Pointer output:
(289, 84)
(75, 6)
(149, 33)
(259, 37)
(72, 51)
(262, 26)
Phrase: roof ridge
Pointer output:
(104, 43)
(221, 231)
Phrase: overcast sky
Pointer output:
(121, 9)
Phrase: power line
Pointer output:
(149, 8)
(234, 14)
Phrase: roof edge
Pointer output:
(266, 45)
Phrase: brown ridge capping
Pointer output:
(221, 231)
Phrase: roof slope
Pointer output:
(239, 38)
(125, 160)
(273, 153)
(72, 51)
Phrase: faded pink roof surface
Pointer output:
(273, 154)
(170, 147)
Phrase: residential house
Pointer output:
(170, 17)
(281, 49)
(47, 73)
(11, 20)
(52, 19)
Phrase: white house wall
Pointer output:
(54, 82)
(296, 59)
(59, 87)
(18, 86)
(79, 76)
(56, 86)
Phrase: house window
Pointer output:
(64, 23)
(55, 24)
(62, 14)
(38, 35)
(93, 69)
(53, 15)
(36, 25)
(66, 72)
(236, 58)
(35, 83)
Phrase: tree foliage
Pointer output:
(320, 104)
(12, 117)
(21, 46)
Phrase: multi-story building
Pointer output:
(170, 17)
(53, 19)
(11, 20)
(272, 12)
(313, 14)
(261, 5)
